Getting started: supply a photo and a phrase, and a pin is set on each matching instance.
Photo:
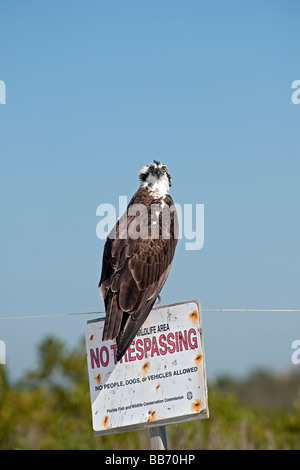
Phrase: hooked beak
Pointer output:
(158, 172)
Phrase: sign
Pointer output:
(161, 378)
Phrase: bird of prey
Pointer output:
(137, 257)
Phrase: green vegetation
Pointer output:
(50, 409)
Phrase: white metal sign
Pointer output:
(160, 380)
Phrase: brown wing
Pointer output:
(133, 274)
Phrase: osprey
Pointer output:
(137, 257)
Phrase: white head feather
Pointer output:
(158, 186)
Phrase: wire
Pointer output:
(248, 310)
(19, 317)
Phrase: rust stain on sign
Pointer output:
(145, 367)
(105, 421)
(151, 416)
(157, 387)
(193, 316)
(91, 337)
(196, 405)
(198, 358)
(98, 379)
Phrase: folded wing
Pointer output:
(133, 274)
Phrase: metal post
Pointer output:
(158, 438)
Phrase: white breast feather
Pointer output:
(158, 188)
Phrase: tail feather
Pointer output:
(133, 324)
(114, 319)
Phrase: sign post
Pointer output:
(158, 438)
(161, 379)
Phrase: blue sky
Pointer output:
(97, 89)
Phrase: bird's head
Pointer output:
(156, 177)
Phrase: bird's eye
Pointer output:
(164, 169)
(151, 169)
